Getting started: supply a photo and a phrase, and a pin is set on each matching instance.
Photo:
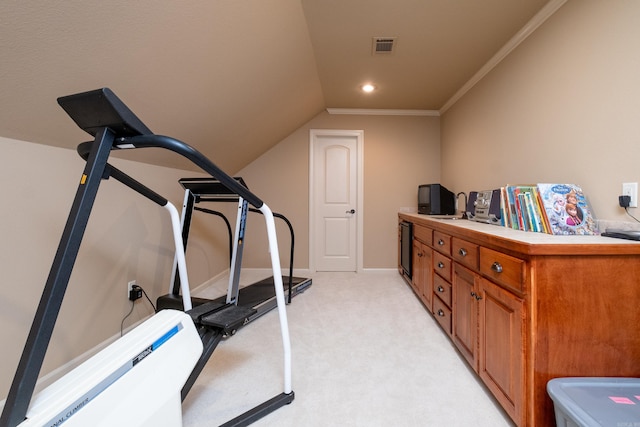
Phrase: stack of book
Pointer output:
(560, 209)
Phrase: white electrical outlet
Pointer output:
(130, 286)
(631, 189)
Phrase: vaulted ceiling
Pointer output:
(234, 77)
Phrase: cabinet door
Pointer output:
(501, 350)
(465, 313)
(427, 278)
(422, 277)
(417, 268)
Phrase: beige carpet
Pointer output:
(365, 353)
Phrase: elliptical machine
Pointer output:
(101, 399)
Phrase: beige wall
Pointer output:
(128, 237)
(400, 152)
(563, 107)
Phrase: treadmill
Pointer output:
(135, 378)
(260, 297)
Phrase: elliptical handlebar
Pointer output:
(177, 146)
(95, 110)
(187, 151)
(111, 171)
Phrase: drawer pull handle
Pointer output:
(476, 296)
(440, 289)
(440, 242)
(462, 252)
(440, 265)
(497, 267)
(440, 313)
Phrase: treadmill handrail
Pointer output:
(177, 146)
(276, 215)
(84, 149)
(291, 234)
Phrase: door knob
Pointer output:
(352, 211)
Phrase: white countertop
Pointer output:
(526, 237)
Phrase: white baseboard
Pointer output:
(380, 270)
(210, 281)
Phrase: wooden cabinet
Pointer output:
(442, 290)
(424, 234)
(465, 314)
(465, 253)
(442, 266)
(442, 242)
(523, 308)
(500, 353)
(442, 269)
(422, 279)
(442, 314)
(417, 268)
(488, 332)
(506, 270)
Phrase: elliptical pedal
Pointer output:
(201, 310)
(228, 319)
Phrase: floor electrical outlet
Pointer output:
(631, 189)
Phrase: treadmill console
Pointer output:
(101, 108)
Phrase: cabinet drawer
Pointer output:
(442, 266)
(424, 234)
(503, 269)
(442, 314)
(442, 289)
(442, 242)
(465, 253)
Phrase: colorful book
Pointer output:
(505, 214)
(567, 209)
(517, 207)
(522, 209)
(543, 214)
(511, 202)
(537, 211)
(534, 223)
(525, 209)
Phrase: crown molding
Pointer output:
(533, 24)
(381, 112)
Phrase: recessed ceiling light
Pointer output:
(368, 88)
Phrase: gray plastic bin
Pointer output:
(587, 401)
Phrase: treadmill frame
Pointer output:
(199, 190)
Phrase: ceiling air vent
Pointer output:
(384, 45)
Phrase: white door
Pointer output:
(335, 200)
